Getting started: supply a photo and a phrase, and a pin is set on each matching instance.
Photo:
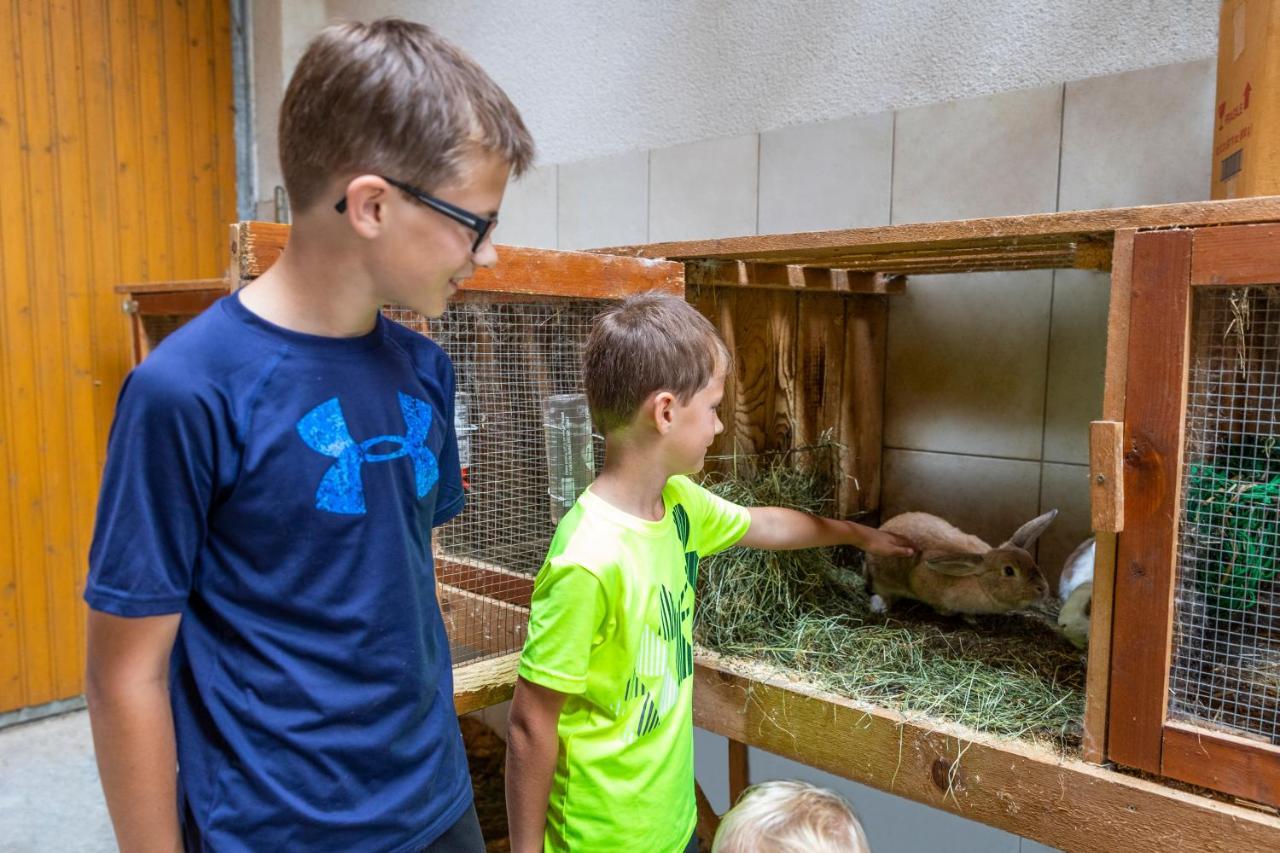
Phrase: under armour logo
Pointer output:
(324, 429)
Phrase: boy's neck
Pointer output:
(317, 287)
(632, 479)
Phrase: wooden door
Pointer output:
(117, 164)
(1195, 671)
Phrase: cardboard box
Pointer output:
(1246, 123)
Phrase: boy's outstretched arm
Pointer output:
(127, 688)
(776, 529)
(532, 743)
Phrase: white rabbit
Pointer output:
(1075, 589)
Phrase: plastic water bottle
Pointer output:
(462, 430)
(566, 425)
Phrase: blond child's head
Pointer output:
(790, 817)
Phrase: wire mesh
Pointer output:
(1226, 646)
(510, 358)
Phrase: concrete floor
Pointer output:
(50, 799)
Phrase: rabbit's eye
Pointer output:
(1009, 571)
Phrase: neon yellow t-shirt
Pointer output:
(611, 624)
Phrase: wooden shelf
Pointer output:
(1015, 786)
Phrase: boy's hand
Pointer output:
(885, 544)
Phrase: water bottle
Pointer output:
(462, 430)
(566, 425)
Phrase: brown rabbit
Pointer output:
(956, 572)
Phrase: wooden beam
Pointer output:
(483, 579)
(1015, 786)
(1106, 475)
(533, 272)
(483, 625)
(189, 284)
(482, 683)
(1098, 677)
(1246, 767)
(739, 770)
(800, 279)
(1236, 255)
(1007, 231)
(1159, 295)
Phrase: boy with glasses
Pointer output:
(268, 668)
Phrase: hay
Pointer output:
(807, 612)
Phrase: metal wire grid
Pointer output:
(508, 357)
(1226, 650)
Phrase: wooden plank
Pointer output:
(739, 770)
(533, 272)
(1106, 475)
(1153, 442)
(1004, 231)
(862, 418)
(1237, 765)
(490, 581)
(190, 302)
(1098, 678)
(717, 305)
(175, 108)
(1015, 786)
(708, 820)
(820, 359)
(483, 683)
(484, 625)
(764, 371)
(1236, 255)
(789, 277)
(172, 286)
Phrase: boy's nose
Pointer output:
(487, 255)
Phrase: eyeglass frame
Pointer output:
(479, 224)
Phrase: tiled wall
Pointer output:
(992, 378)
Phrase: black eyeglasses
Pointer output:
(478, 224)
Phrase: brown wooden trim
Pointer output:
(483, 683)
(535, 272)
(484, 624)
(1006, 231)
(862, 421)
(1098, 678)
(708, 820)
(1233, 764)
(1236, 255)
(800, 279)
(1158, 326)
(190, 302)
(739, 770)
(1012, 785)
(490, 581)
(1106, 476)
(139, 287)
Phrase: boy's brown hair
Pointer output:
(391, 98)
(651, 342)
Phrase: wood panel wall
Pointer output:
(805, 362)
(117, 163)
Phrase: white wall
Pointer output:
(664, 121)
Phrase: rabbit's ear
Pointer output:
(956, 565)
(1026, 535)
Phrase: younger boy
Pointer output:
(268, 669)
(601, 731)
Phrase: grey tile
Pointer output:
(1065, 488)
(1029, 846)
(703, 189)
(893, 824)
(990, 156)
(981, 495)
(967, 364)
(1077, 362)
(1142, 137)
(604, 202)
(528, 214)
(818, 177)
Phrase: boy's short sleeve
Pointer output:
(153, 507)
(716, 524)
(566, 619)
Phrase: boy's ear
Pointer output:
(366, 205)
(664, 407)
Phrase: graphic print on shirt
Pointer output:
(324, 430)
(665, 658)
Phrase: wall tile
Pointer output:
(604, 202)
(818, 177)
(528, 214)
(990, 156)
(1065, 488)
(1077, 362)
(704, 189)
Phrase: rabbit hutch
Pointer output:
(1177, 721)
(525, 444)
(1174, 722)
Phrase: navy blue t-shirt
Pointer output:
(278, 490)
